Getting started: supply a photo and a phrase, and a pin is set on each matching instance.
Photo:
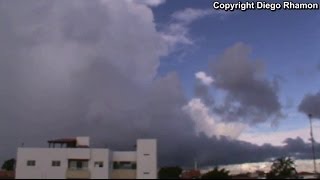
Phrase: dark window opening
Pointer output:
(98, 164)
(78, 164)
(124, 165)
(31, 163)
(56, 163)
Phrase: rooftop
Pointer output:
(78, 142)
(61, 141)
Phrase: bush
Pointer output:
(217, 174)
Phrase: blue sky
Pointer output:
(286, 41)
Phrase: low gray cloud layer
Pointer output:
(227, 151)
(70, 68)
(310, 104)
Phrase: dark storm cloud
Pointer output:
(75, 68)
(299, 149)
(250, 96)
(214, 151)
(202, 91)
(87, 68)
(310, 104)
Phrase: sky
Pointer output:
(284, 40)
(213, 83)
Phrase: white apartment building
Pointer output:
(74, 159)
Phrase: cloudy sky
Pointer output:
(210, 84)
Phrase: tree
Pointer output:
(217, 174)
(9, 165)
(170, 172)
(282, 168)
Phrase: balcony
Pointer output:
(78, 174)
(124, 174)
(78, 169)
(124, 170)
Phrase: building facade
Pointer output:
(74, 159)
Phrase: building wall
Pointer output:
(100, 155)
(75, 153)
(44, 157)
(124, 156)
(124, 174)
(147, 159)
(83, 141)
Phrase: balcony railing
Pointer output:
(124, 174)
(78, 174)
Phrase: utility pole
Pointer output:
(312, 144)
(195, 164)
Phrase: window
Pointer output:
(31, 163)
(98, 164)
(78, 164)
(124, 165)
(55, 163)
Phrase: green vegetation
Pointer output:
(9, 165)
(217, 173)
(282, 168)
(170, 172)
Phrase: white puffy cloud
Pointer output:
(206, 122)
(177, 31)
(204, 78)
(189, 15)
(177, 34)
